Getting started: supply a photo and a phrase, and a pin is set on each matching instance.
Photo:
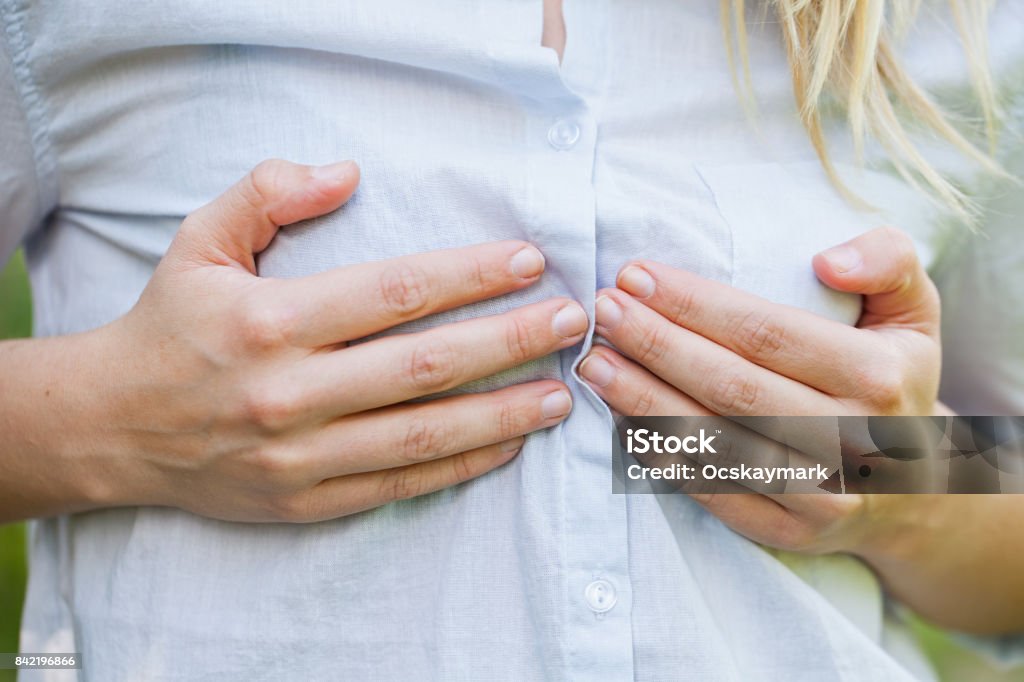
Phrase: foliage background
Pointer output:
(15, 321)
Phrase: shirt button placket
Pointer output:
(599, 636)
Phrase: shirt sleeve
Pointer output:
(27, 191)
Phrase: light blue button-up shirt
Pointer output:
(119, 117)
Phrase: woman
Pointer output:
(154, 433)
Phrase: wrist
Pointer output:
(122, 395)
(898, 530)
(89, 441)
(53, 457)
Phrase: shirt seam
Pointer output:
(728, 224)
(32, 106)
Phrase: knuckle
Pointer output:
(901, 246)
(884, 387)
(404, 289)
(757, 336)
(642, 403)
(192, 226)
(403, 484)
(840, 509)
(792, 534)
(519, 340)
(508, 420)
(291, 508)
(703, 493)
(318, 507)
(684, 307)
(261, 327)
(478, 275)
(258, 186)
(268, 463)
(462, 468)
(431, 365)
(423, 439)
(732, 393)
(272, 410)
(651, 345)
(280, 468)
(193, 237)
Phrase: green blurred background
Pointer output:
(953, 663)
(15, 320)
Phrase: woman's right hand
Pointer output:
(236, 396)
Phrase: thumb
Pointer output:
(883, 266)
(240, 223)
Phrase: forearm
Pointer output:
(52, 402)
(958, 561)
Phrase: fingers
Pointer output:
(756, 517)
(242, 221)
(633, 391)
(353, 302)
(822, 510)
(337, 497)
(797, 522)
(883, 265)
(396, 368)
(716, 377)
(410, 434)
(786, 340)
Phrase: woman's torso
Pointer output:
(467, 130)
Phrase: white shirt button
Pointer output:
(564, 135)
(600, 596)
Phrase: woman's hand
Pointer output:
(701, 347)
(689, 346)
(236, 397)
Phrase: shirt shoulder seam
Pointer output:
(14, 41)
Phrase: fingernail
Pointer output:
(528, 262)
(570, 321)
(334, 172)
(513, 444)
(608, 312)
(636, 281)
(597, 370)
(555, 405)
(843, 258)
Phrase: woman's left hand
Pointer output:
(701, 347)
(698, 347)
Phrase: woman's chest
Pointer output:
(635, 146)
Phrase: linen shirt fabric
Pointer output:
(121, 117)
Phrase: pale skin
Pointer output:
(689, 346)
(236, 397)
(930, 551)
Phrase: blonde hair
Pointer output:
(842, 50)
